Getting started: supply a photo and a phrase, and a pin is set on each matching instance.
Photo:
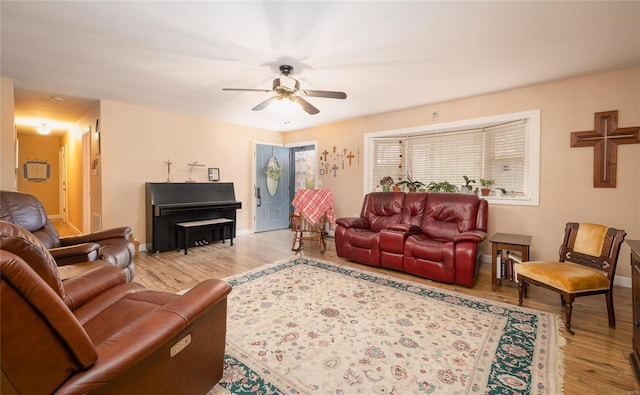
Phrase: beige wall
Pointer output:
(7, 136)
(566, 174)
(136, 141)
(41, 148)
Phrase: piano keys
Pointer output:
(170, 203)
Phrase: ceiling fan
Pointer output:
(286, 87)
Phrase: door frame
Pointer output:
(64, 199)
(317, 181)
(86, 181)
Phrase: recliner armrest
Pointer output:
(88, 285)
(153, 332)
(113, 233)
(199, 298)
(472, 235)
(84, 252)
(403, 228)
(353, 222)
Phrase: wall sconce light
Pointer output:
(43, 128)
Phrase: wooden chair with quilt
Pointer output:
(303, 230)
(587, 266)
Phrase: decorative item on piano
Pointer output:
(214, 174)
(191, 166)
(168, 163)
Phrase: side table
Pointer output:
(635, 294)
(503, 243)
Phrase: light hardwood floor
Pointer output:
(596, 358)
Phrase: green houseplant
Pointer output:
(444, 186)
(386, 182)
(467, 187)
(411, 184)
(486, 185)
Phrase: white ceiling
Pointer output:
(385, 55)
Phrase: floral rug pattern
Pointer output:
(304, 327)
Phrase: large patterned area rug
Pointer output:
(303, 326)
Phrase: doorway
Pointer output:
(272, 196)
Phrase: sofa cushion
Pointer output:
(415, 205)
(448, 214)
(382, 209)
(363, 238)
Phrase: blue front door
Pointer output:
(272, 188)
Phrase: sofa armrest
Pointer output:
(403, 228)
(86, 286)
(113, 233)
(353, 222)
(84, 252)
(473, 235)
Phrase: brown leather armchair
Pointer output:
(95, 333)
(111, 245)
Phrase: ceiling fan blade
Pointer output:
(246, 90)
(327, 94)
(265, 103)
(308, 107)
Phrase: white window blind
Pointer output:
(496, 151)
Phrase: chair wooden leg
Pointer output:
(297, 237)
(610, 311)
(568, 302)
(522, 289)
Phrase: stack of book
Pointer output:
(507, 265)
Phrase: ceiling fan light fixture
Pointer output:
(43, 128)
(285, 106)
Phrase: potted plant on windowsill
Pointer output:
(500, 192)
(486, 185)
(467, 187)
(386, 182)
(444, 186)
(411, 184)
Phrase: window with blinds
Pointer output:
(501, 150)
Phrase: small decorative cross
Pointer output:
(605, 139)
(358, 153)
(350, 156)
(168, 163)
(325, 153)
(335, 170)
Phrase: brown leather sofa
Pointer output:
(431, 235)
(111, 245)
(95, 333)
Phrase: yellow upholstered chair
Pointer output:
(588, 258)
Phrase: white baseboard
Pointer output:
(620, 281)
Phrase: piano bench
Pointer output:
(219, 223)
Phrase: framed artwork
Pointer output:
(214, 174)
(35, 170)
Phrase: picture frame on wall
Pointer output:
(38, 171)
(214, 174)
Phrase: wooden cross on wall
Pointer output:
(605, 139)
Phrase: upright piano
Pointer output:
(170, 203)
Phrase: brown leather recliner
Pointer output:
(95, 333)
(111, 245)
